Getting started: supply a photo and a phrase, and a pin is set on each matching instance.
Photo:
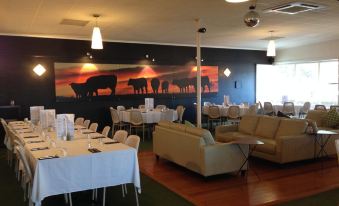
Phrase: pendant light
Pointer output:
(227, 72)
(39, 69)
(96, 35)
(271, 46)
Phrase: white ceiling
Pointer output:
(169, 22)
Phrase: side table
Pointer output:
(321, 138)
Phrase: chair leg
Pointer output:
(136, 196)
(123, 190)
(70, 199)
(125, 186)
(66, 198)
(104, 197)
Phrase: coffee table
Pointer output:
(321, 138)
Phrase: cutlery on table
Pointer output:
(39, 148)
(48, 157)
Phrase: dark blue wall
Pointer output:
(18, 55)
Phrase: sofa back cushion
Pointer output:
(248, 124)
(177, 126)
(267, 127)
(290, 127)
(164, 123)
(318, 116)
(203, 133)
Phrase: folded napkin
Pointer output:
(111, 142)
(88, 132)
(94, 150)
(98, 137)
(48, 157)
(39, 148)
(34, 141)
(33, 136)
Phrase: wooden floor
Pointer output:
(267, 183)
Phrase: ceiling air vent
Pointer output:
(74, 22)
(294, 8)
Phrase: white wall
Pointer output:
(313, 52)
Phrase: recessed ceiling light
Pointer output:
(236, 1)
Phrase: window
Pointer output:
(316, 82)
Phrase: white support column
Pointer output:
(198, 74)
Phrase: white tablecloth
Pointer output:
(224, 109)
(149, 117)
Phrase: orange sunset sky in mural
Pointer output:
(67, 73)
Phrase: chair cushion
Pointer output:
(331, 119)
(231, 136)
(189, 124)
(205, 134)
(318, 116)
(267, 127)
(248, 124)
(289, 127)
(269, 146)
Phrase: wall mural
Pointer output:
(78, 81)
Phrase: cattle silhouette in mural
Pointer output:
(205, 81)
(80, 90)
(164, 86)
(139, 85)
(101, 82)
(183, 84)
(155, 83)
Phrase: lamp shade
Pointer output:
(39, 69)
(96, 39)
(271, 48)
(227, 72)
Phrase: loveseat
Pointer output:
(285, 140)
(195, 149)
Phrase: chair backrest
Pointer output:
(320, 107)
(94, 127)
(336, 107)
(27, 169)
(180, 111)
(160, 106)
(337, 147)
(288, 108)
(253, 109)
(268, 107)
(260, 109)
(106, 130)
(121, 108)
(79, 121)
(86, 123)
(213, 112)
(114, 115)
(133, 141)
(136, 117)
(141, 106)
(120, 136)
(306, 107)
(233, 112)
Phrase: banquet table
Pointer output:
(76, 168)
(224, 109)
(149, 117)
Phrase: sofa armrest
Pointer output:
(296, 147)
(226, 128)
(222, 158)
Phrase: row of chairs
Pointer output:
(214, 115)
(159, 106)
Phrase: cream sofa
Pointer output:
(195, 149)
(284, 139)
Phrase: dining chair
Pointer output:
(137, 122)
(304, 109)
(27, 176)
(253, 110)
(213, 115)
(161, 107)
(246, 104)
(233, 114)
(141, 106)
(116, 121)
(167, 115)
(7, 141)
(106, 130)
(261, 109)
(320, 107)
(288, 109)
(121, 108)
(79, 121)
(120, 136)
(336, 107)
(268, 109)
(180, 111)
(133, 141)
(86, 123)
(94, 127)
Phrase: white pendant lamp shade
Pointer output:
(227, 72)
(96, 39)
(39, 69)
(271, 48)
(236, 1)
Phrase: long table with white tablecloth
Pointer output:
(224, 109)
(150, 117)
(80, 169)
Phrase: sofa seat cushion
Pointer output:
(248, 124)
(267, 127)
(318, 116)
(231, 136)
(269, 146)
(203, 133)
(290, 127)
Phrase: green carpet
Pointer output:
(152, 192)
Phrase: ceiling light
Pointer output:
(96, 35)
(236, 1)
(252, 18)
(39, 69)
(227, 72)
(271, 47)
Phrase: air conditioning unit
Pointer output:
(294, 8)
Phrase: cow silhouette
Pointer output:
(101, 82)
(205, 81)
(139, 85)
(155, 83)
(80, 90)
(164, 86)
(183, 84)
